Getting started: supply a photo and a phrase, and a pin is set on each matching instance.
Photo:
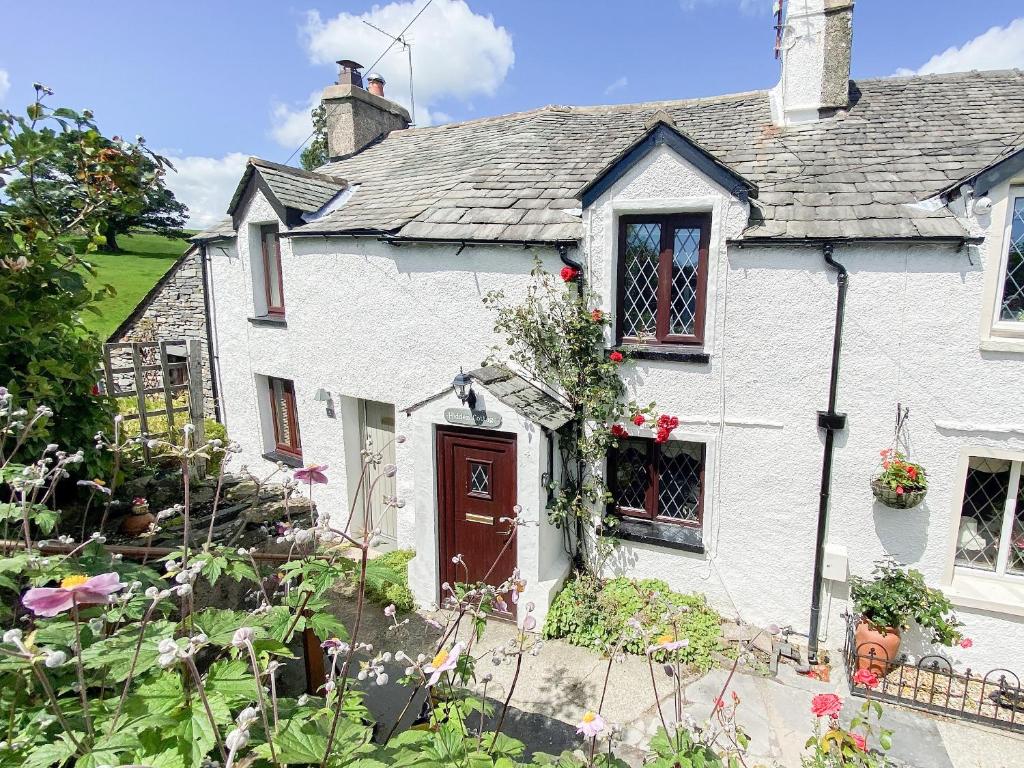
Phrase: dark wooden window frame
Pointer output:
(650, 510)
(272, 309)
(293, 448)
(669, 223)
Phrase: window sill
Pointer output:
(1002, 344)
(285, 458)
(276, 321)
(669, 352)
(1000, 594)
(684, 537)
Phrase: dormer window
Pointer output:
(273, 285)
(663, 277)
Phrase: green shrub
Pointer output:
(391, 584)
(593, 613)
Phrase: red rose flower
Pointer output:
(866, 677)
(615, 357)
(966, 642)
(826, 704)
(568, 274)
(619, 431)
(662, 435)
(860, 741)
(639, 419)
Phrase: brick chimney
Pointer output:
(357, 117)
(817, 39)
(375, 84)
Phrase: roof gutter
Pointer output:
(831, 421)
(957, 240)
(465, 242)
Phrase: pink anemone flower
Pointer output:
(314, 474)
(591, 725)
(443, 662)
(74, 590)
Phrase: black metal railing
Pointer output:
(931, 684)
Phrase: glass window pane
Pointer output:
(1012, 307)
(632, 478)
(283, 432)
(981, 518)
(685, 259)
(1016, 562)
(273, 271)
(679, 466)
(640, 289)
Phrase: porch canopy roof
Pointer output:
(518, 393)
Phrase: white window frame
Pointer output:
(997, 334)
(1016, 460)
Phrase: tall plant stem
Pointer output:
(113, 488)
(80, 670)
(216, 501)
(508, 696)
(194, 671)
(263, 704)
(131, 668)
(55, 706)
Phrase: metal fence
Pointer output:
(931, 684)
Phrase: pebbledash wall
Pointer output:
(368, 320)
(173, 309)
(911, 335)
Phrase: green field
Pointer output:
(143, 259)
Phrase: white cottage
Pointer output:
(784, 267)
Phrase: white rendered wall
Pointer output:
(911, 336)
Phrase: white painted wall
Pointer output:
(367, 320)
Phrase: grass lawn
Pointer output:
(143, 259)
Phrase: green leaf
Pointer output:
(233, 680)
(220, 624)
(114, 654)
(55, 752)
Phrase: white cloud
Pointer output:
(292, 124)
(205, 185)
(998, 48)
(616, 85)
(5, 83)
(455, 52)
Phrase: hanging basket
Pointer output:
(909, 499)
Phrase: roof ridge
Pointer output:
(259, 162)
(943, 75)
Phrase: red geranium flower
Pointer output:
(596, 315)
(865, 677)
(899, 490)
(619, 431)
(912, 471)
(569, 274)
(826, 704)
(615, 357)
(639, 419)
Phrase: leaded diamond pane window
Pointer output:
(663, 278)
(640, 298)
(479, 479)
(658, 481)
(1012, 305)
(991, 530)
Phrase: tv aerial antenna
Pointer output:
(407, 47)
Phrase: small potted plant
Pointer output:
(887, 603)
(901, 484)
(138, 520)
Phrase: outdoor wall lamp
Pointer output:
(323, 396)
(463, 386)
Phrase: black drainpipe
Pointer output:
(831, 422)
(210, 349)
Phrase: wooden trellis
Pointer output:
(138, 369)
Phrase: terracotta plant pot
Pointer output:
(135, 524)
(909, 499)
(876, 647)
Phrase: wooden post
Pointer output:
(140, 398)
(108, 374)
(195, 397)
(165, 380)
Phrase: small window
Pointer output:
(1011, 303)
(479, 479)
(663, 275)
(272, 281)
(285, 417)
(991, 533)
(658, 481)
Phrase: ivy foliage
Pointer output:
(593, 613)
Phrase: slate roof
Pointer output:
(224, 228)
(858, 174)
(293, 188)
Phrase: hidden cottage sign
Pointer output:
(464, 417)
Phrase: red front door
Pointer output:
(476, 481)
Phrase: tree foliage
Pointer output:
(46, 354)
(315, 154)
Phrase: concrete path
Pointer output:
(562, 682)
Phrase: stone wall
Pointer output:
(174, 309)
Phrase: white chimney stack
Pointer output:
(817, 38)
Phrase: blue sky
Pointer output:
(210, 83)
